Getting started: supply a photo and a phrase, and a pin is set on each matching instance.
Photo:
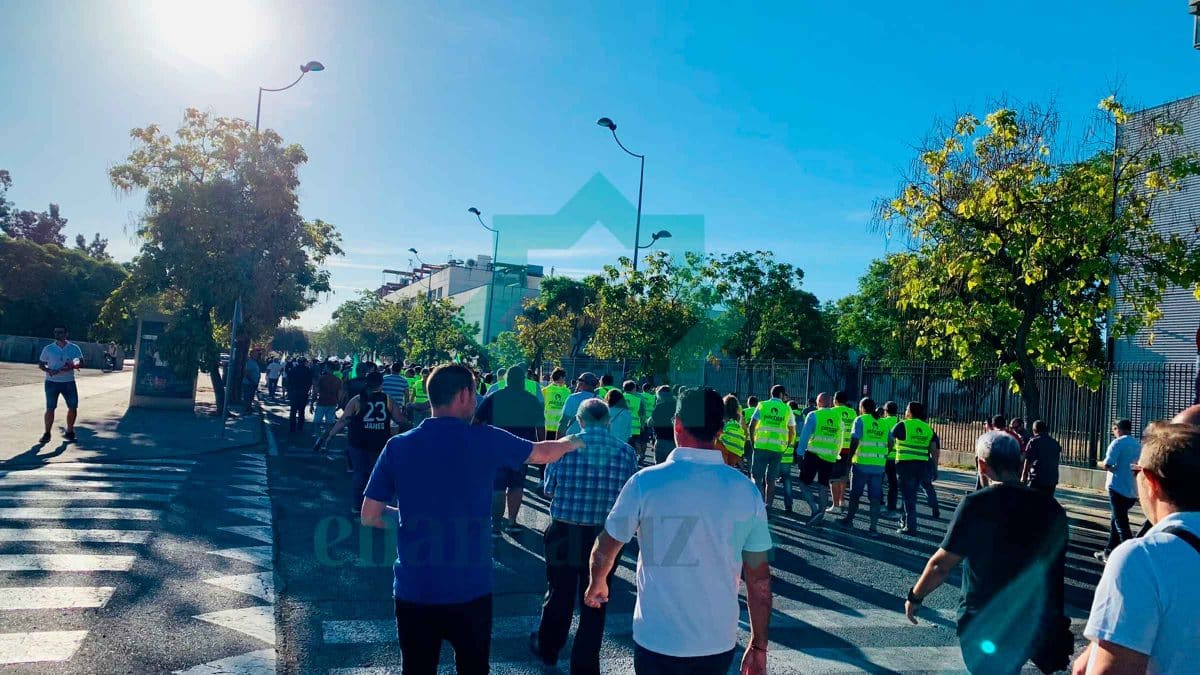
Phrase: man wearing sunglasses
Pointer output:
(59, 360)
(1146, 612)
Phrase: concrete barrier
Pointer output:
(1073, 476)
(23, 349)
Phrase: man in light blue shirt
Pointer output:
(585, 388)
(1119, 459)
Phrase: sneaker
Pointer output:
(836, 511)
(815, 518)
(1102, 556)
(45, 438)
(906, 530)
(535, 648)
(70, 436)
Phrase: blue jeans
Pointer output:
(786, 471)
(66, 389)
(363, 463)
(871, 482)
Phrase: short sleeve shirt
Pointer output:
(1122, 453)
(443, 544)
(56, 357)
(693, 517)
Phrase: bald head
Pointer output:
(823, 400)
(1189, 416)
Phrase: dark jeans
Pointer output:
(299, 402)
(785, 471)
(910, 475)
(1118, 527)
(892, 487)
(930, 493)
(568, 547)
(646, 662)
(467, 626)
(271, 385)
(362, 461)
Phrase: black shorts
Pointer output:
(841, 469)
(813, 466)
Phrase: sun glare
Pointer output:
(210, 32)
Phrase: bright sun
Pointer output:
(210, 32)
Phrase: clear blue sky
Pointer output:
(780, 126)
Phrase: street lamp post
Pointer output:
(637, 229)
(428, 275)
(661, 234)
(236, 362)
(487, 319)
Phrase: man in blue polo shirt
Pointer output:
(443, 568)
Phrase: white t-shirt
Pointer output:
(1148, 599)
(1122, 453)
(693, 517)
(274, 368)
(56, 357)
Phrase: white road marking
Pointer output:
(259, 532)
(255, 555)
(40, 646)
(72, 513)
(257, 622)
(15, 484)
(89, 475)
(87, 466)
(54, 597)
(256, 489)
(261, 515)
(67, 534)
(256, 501)
(65, 562)
(177, 462)
(68, 495)
(261, 662)
(260, 585)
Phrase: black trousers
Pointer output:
(646, 662)
(1118, 526)
(298, 403)
(892, 486)
(568, 548)
(467, 626)
(911, 474)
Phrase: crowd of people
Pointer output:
(619, 460)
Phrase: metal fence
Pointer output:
(1079, 417)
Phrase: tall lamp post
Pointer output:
(487, 319)
(428, 275)
(661, 234)
(236, 363)
(637, 229)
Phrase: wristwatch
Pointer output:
(912, 597)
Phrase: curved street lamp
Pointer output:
(428, 275)
(637, 228)
(310, 67)
(487, 319)
(661, 234)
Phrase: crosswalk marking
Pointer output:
(54, 597)
(259, 532)
(88, 466)
(90, 475)
(40, 646)
(260, 585)
(261, 662)
(67, 534)
(258, 501)
(69, 513)
(255, 555)
(261, 515)
(65, 562)
(68, 495)
(18, 483)
(256, 489)
(257, 622)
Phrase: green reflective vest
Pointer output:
(847, 416)
(917, 441)
(412, 386)
(648, 403)
(890, 423)
(789, 455)
(733, 437)
(633, 401)
(826, 438)
(556, 397)
(872, 447)
(419, 393)
(746, 413)
(771, 433)
(602, 392)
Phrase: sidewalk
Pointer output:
(108, 429)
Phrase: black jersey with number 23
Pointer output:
(371, 427)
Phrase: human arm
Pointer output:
(372, 514)
(756, 571)
(1102, 657)
(810, 425)
(940, 564)
(350, 411)
(604, 556)
(396, 412)
(545, 452)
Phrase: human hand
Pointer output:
(596, 594)
(754, 661)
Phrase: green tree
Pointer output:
(573, 297)
(1014, 254)
(5, 205)
(97, 248)
(290, 340)
(870, 321)
(544, 334)
(43, 286)
(505, 350)
(43, 227)
(438, 332)
(221, 221)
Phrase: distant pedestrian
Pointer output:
(1012, 543)
(518, 412)
(582, 487)
(585, 388)
(299, 386)
(1145, 615)
(251, 378)
(772, 429)
(686, 619)
(732, 440)
(1042, 455)
(1119, 459)
(370, 416)
(554, 396)
(420, 397)
(1016, 427)
(329, 395)
(662, 422)
(59, 360)
(916, 445)
(443, 573)
(395, 385)
(637, 415)
(274, 371)
(889, 418)
(868, 452)
(620, 417)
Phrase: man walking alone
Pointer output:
(59, 360)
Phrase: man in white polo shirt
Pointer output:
(59, 360)
(700, 525)
(1146, 612)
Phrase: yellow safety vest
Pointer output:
(633, 401)
(419, 394)
(733, 437)
(556, 397)
(890, 423)
(412, 386)
(602, 393)
(848, 415)
(918, 439)
(872, 447)
(771, 434)
(826, 438)
(746, 413)
(648, 401)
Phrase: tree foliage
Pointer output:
(97, 248)
(44, 286)
(870, 321)
(41, 227)
(410, 330)
(570, 296)
(1013, 252)
(290, 340)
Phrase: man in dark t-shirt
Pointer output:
(1012, 542)
(518, 412)
(1041, 460)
